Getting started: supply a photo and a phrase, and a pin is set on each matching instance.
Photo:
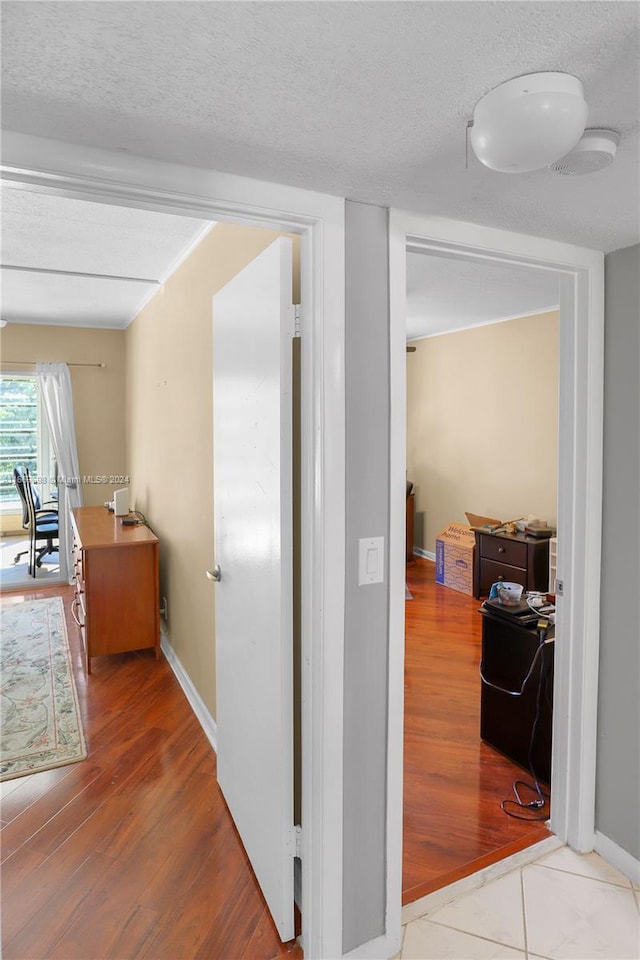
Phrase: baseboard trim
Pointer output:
(425, 554)
(379, 949)
(196, 702)
(433, 901)
(619, 858)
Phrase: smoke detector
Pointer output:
(595, 150)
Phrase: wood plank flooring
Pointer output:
(131, 853)
(453, 782)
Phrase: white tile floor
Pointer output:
(564, 905)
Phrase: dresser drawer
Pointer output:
(510, 557)
(78, 611)
(504, 551)
(81, 598)
(492, 570)
(77, 562)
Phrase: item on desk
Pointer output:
(540, 532)
(477, 522)
(529, 521)
(539, 602)
(121, 502)
(521, 613)
(506, 593)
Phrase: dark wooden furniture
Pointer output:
(411, 516)
(116, 602)
(507, 722)
(510, 556)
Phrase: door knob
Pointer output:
(214, 574)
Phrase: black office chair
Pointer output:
(42, 524)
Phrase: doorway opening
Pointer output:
(318, 220)
(25, 442)
(479, 403)
(581, 299)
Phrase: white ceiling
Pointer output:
(47, 233)
(366, 100)
(445, 295)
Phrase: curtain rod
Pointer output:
(32, 363)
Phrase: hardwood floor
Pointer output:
(453, 782)
(131, 853)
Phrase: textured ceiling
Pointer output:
(54, 233)
(366, 100)
(445, 295)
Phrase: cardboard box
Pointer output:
(478, 522)
(455, 546)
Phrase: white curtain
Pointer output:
(57, 399)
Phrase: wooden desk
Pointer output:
(116, 604)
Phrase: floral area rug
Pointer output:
(40, 724)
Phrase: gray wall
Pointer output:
(366, 612)
(618, 758)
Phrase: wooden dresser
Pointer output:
(514, 557)
(116, 604)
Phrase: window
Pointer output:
(24, 439)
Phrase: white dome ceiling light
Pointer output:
(595, 150)
(529, 122)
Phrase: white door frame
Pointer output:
(55, 167)
(579, 511)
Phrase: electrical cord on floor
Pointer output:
(516, 808)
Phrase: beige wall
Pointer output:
(170, 435)
(98, 395)
(482, 424)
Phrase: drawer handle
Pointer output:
(73, 613)
(500, 549)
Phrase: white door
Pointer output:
(252, 413)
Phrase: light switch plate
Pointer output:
(370, 560)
